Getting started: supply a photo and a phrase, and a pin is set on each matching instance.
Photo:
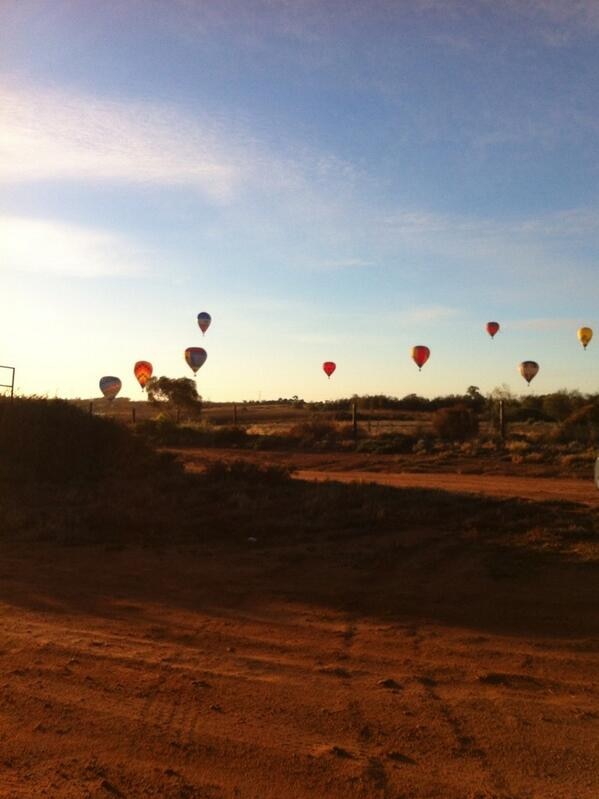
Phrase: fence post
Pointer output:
(501, 421)
(91, 408)
(354, 419)
(235, 414)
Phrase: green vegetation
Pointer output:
(175, 395)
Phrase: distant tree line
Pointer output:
(554, 407)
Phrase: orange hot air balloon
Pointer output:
(329, 367)
(492, 328)
(143, 372)
(528, 369)
(585, 334)
(420, 355)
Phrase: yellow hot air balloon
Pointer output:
(585, 334)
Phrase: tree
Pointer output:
(179, 394)
(476, 399)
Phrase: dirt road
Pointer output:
(426, 661)
(535, 488)
(267, 674)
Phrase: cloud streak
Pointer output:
(44, 246)
(53, 135)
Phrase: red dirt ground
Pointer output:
(267, 672)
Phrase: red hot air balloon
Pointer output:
(329, 367)
(420, 355)
(492, 328)
(143, 372)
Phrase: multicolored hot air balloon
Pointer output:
(528, 369)
(329, 367)
(492, 328)
(195, 357)
(420, 355)
(585, 334)
(110, 386)
(204, 320)
(143, 372)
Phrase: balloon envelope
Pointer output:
(195, 357)
(204, 320)
(110, 386)
(329, 367)
(143, 372)
(585, 334)
(492, 328)
(420, 355)
(528, 370)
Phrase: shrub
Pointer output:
(53, 441)
(455, 424)
(166, 433)
(315, 431)
(388, 443)
(581, 426)
(240, 470)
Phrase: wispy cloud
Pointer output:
(47, 135)
(55, 248)
(344, 263)
(545, 324)
(431, 313)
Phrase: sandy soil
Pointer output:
(536, 488)
(389, 470)
(334, 669)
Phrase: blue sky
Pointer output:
(331, 181)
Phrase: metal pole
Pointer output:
(10, 385)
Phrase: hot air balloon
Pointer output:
(329, 367)
(585, 334)
(492, 328)
(528, 370)
(204, 320)
(195, 357)
(143, 372)
(110, 387)
(420, 355)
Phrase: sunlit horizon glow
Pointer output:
(333, 181)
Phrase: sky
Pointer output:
(335, 180)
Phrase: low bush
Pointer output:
(582, 426)
(54, 441)
(391, 443)
(240, 470)
(166, 433)
(315, 431)
(457, 423)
